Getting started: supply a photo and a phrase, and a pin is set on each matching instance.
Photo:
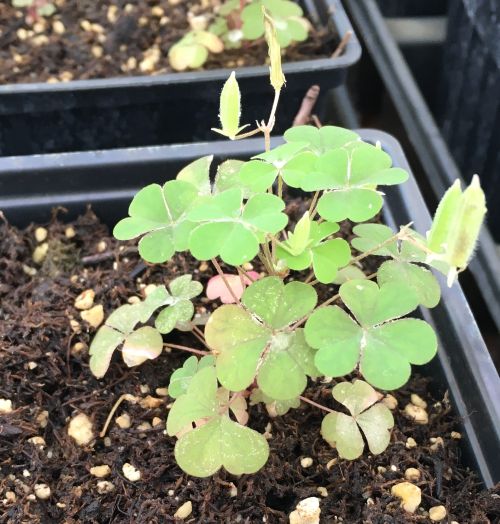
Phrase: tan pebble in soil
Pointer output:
(124, 421)
(85, 300)
(42, 491)
(412, 474)
(437, 513)
(418, 401)
(130, 472)
(390, 402)
(416, 413)
(161, 392)
(40, 252)
(104, 486)
(93, 316)
(41, 234)
(306, 462)
(42, 418)
(101, 471)
(436, 443)
(5, 406)
(410, 443)
(322, 491)
(307, 512)
(37, 441)
(410, 495)
(80, 429)
(58, 27)
(184, 511)
(455, 435)
(150, 402)
(157, 421)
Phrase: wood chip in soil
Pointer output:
(35, 312)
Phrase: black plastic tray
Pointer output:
(437, 162)
(164, 109)
(463, 366)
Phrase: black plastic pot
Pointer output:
(463, 365)
(470, 114)
(412, 7)
(164, 109)
(438, 165)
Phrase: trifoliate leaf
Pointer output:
(160, 214)
(180, 309)
(198, 174)
(326, 257)
(343, 431)
(217, 441)
(255, 341)
(221, 443)
(383, 347)
(348, 273)
(321, 140)
(119, 326)
(233, 231)
(181, 378)
(228, 177)
(400, 269)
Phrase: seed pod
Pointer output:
(461, 244)
(444, 219)
(276, 73)
(230, 108)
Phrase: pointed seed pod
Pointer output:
(275, 72)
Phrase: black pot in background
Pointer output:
(395, 103)
(470, 97)
(164, 109)
(412, 7)
(463, 365)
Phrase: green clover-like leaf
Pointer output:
(180, 308)
(119, 327)
(258, 341)
(286, 160)
(401, 269)
(321, 140)
(233, 231)
(287, 17)
(306, 246)
(383, 345)
(217, 441)
(343, 431)
(160, 214)
(181, 377)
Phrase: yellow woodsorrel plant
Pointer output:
(275, 337)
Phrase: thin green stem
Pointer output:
(188, 349)
(315, 404)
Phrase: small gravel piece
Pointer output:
(437, 513)
(80, 429)
(130, 472)
(410, 495)
(101, 471)
(184, 511)
(42, 491)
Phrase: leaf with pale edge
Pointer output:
(374, 419)
(381, 343)
(257, 341)
(216, 441)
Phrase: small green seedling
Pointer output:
(271, 339)
(239, 23)
(35, 9)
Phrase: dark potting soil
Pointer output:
(102, 39)
(42, 370)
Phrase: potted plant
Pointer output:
(117, 89)
(271, 332)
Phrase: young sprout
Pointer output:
(191, 52)
(35, 9)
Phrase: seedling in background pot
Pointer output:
(35, 9)
(272, 338)
(239, 23)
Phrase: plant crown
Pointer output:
(275, 338)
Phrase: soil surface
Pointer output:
(44, 363)
(87, 39)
